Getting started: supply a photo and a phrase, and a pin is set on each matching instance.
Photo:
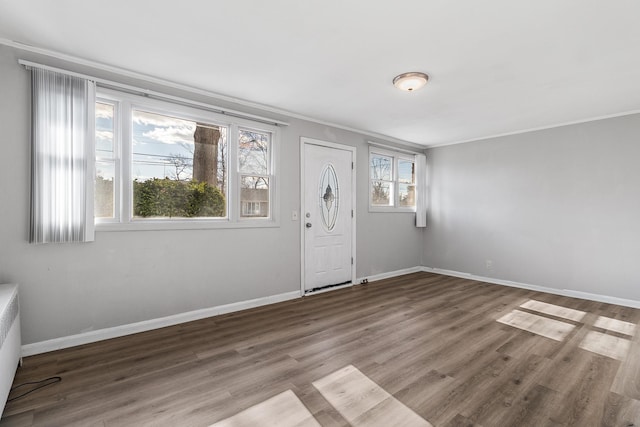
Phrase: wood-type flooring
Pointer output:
(440, 350)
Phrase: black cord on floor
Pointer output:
(46, 381)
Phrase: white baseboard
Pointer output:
(148, 325)
(563, 292)
(390, 274)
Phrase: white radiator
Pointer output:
(10, 342)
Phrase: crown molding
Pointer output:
(553, 126)
(196, 91)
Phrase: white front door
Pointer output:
(327, 215)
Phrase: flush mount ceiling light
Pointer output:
(410, 81)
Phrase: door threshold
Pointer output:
(328, 288)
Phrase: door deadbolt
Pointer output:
(308, 225)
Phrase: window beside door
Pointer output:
(392, 181)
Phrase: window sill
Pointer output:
(390, 209)
(161, 225)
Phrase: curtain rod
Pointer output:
(392, 148)
(155, 95)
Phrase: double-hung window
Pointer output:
(106, 193)
(392, 181)
(254, 172)
(161, 165)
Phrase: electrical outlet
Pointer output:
(489, 264)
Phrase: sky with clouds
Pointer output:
(159, 139)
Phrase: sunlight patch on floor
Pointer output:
(615, 325)
(550, 328)
(356, 397)
(606, 345)
(554, 310)
(282, 410)
(363, 403)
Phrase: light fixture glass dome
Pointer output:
(410, 81)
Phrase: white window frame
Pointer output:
(124, 220)
(117, 162)
(270, 175)
(396, 157)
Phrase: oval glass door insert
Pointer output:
(329, 197)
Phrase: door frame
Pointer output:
(303, 142)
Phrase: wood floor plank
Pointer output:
(627, 380)
(530, 408)
(584, 403)
(420, 389)
(512, 389)
(78, 407)
(468, 391)
(621, 411)
(431, 344)
(461, 421)
(23, 419)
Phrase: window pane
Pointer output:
(104, 130)
(406, 171)
(179, 167)
(253, 152)
(381, 193)
(254, 196)
(104, 190)
(381, 167)
(407, 195)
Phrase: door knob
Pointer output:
(308, 225)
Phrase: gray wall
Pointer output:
(126, 277)
(558, 208)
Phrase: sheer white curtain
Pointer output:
(62, 158)
(421, 199)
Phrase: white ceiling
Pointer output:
(496, 66)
